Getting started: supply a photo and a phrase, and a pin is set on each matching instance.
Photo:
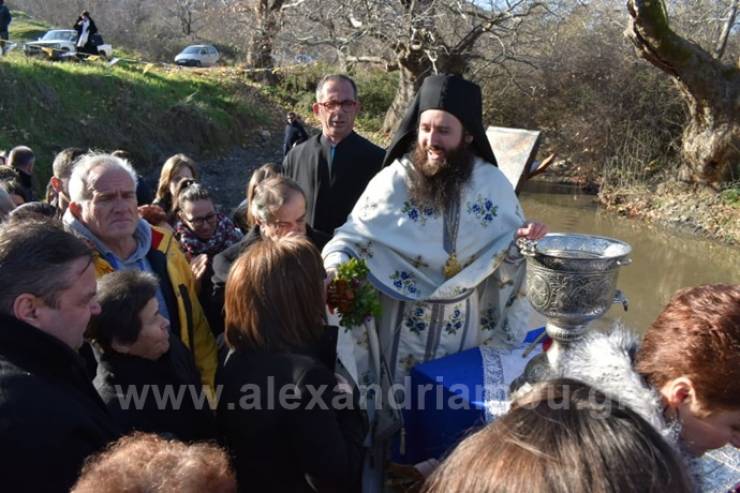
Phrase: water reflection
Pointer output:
(663, 260)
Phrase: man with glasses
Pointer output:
(334, 167)
(103, 212)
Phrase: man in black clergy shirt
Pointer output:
(333, 168)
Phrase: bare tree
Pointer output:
(265, 20)
(420, 37)
(710, 89)
(719, 50)
(187, 14)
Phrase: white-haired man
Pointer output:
(103, 211)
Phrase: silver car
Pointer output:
(198, 56)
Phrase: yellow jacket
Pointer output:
(170, 264)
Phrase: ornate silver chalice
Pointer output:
(571, 280)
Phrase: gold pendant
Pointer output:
(452, 267)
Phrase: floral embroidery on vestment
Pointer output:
(417, 214)
(417, 320)
(404, 282)
(483, 209)
(455, 322)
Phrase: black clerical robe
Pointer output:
(331, 195)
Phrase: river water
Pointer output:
(663, 260)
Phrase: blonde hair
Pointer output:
(270, 195)
(147, 462)
(264, 172)
(169, 169)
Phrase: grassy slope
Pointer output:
(150, 111)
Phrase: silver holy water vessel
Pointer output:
(571, 280)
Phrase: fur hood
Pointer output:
(605, 361)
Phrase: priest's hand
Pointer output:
(532, 231)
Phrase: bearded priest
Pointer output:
(437, 228)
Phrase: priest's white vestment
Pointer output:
(427, 312)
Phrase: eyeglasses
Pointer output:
(346, 105)
(199, 221)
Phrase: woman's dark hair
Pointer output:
(274, 296)
(20, 156)
(8, 173)
(189, 190)
(33, 210)
(14, 187)
(122, 295)
(563, 437)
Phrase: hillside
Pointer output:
(150, 110)
(154, 110)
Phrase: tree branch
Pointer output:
(719, 50)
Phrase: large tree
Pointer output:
(711, 90)
(420, 37)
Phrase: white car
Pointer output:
(62, 42)
(198, 56)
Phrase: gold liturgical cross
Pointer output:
(452, 266)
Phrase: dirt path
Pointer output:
(226, 177)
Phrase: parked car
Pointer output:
(303, 58)
(198, 56)
(63, 43)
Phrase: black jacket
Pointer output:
(222, 264)
(183, 417)
(5, 18)
(51, 418)
(330, 197)
(294, 134)
(304, 449)
(91, 46)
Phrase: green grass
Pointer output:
(731, 195)
(148, 111)
(24, 28)
(296, 91)
(151, 111)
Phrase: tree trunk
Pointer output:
(414, 66)
(259, 54)
(711, 139)
(408, 84)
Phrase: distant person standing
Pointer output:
(294, 133)
(334, 167)
(22, 160)
(5, 19)
(86, 29)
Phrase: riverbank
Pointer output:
(692, 209)
(688, 208)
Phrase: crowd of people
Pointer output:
(150, 342)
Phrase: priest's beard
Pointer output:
(438, 185)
